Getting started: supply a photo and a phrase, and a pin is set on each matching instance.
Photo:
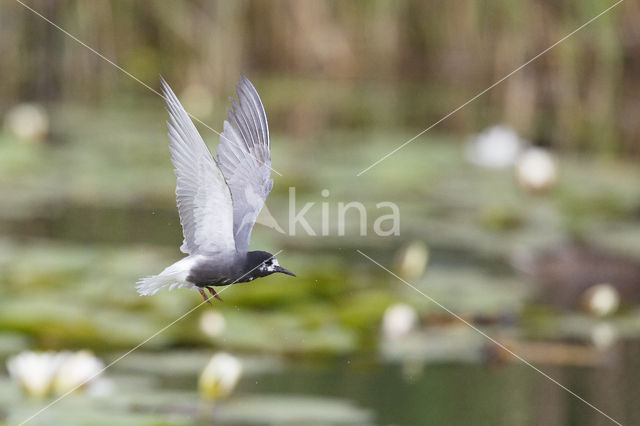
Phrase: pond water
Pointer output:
(463, 393)
(312, 351)
(159, 389)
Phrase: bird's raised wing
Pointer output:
(245, 160)
(204, 200)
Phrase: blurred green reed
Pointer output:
(416, 60)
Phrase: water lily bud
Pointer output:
(398, 321)
(212, 323)
(220, 376)
(28, 122)
(536, 170)
(412, 260)
(601, 300)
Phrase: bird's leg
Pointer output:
(214, 294)
(204, 296)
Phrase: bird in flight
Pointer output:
(219, 198)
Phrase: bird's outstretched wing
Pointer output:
(204, 200)
(245, 160)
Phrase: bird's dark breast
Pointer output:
(213, 272)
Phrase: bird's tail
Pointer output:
(173, 277)
(148, 286)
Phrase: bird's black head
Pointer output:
(261, 264)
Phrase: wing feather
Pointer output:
(204, 199)
(245, 160)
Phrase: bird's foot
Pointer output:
(204, 296)
(214, 294)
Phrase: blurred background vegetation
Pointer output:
(370, 64)
(551, 271)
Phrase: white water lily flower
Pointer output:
(78, 369)
(398, 321)
(40, 373)
(495, 147)
(35, 371)
(220, 376)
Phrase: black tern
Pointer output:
(219, 198)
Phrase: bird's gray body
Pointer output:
(219, 198)
(217, 270)
(241, 268)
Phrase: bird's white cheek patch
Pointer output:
(273, 266)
